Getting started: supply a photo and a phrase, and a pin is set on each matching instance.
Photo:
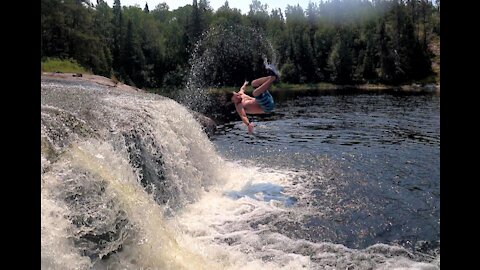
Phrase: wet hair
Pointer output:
(232, 98)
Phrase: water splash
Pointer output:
(224, 56)
(130, 181)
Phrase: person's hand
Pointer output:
(245, 83)
(250, 128)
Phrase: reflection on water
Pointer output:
(378, 155)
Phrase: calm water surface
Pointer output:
(370, 162)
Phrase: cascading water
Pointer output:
(112, 165)
(130, 181)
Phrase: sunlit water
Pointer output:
(370, 164)
(130, 181)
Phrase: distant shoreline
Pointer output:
(414, 87)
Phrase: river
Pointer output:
(370, 163)
(342, 180)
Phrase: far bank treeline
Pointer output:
(338, 41)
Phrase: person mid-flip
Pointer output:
(261, 102)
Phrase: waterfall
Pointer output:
(113, 164)
(129, 180)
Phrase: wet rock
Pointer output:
(209, 125)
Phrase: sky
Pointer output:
(243, 5)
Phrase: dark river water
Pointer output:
(331, 180)
(370, 163)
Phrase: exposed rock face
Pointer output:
(209, 126)
(92, 78)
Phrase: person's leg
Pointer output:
(257, 82)
(266, 83)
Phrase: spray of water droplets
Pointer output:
(224, 56)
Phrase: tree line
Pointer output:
(337, 41)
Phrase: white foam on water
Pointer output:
(220, 228)
(228, 212)
(150, 243)
(405, 264)
(216, 225)
(57, 250)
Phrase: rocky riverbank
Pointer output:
(208, 124)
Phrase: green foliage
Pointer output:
(62, 65)
(340, 60)
(336, 41)
(288, 72)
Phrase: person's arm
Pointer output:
(243, 116)
(244, 86)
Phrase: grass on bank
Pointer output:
(299, 87)
(433, 79)
(63, 66)
(284, 86)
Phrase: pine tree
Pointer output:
(386, 65)
(340, 59)
(146, 10)
(117, 38)
(195, 25)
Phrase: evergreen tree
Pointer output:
(342, 41)
(102, 27)
(386, 66)
(340, 59)
(258, 15)
(118, 39)
(133, 60)
(54, 29)
(368, 60)
(195, 26)
(227, 17)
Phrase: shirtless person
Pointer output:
(262, 100)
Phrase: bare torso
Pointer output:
(245, 104)
(250, 105)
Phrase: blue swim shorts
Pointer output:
(265, 100)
